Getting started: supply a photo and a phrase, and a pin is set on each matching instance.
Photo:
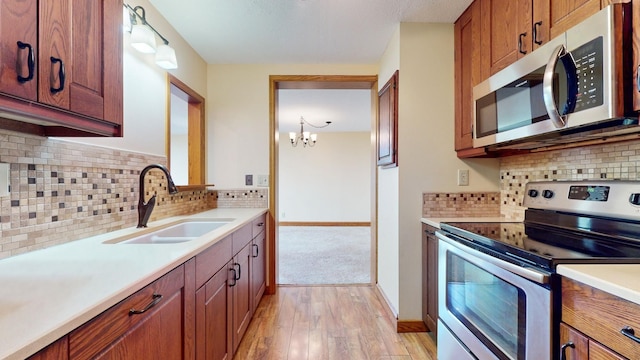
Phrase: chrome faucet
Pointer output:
(144, 210)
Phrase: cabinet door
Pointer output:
(156, 332)
(540, 23)
(567, 13)
(80, 62)
(242, 302)
(18, 42)
(507, 24)
(213, 318)
(258, 269)
(574, 343)
(432, 279)
(59, 350)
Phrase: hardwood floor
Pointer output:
(328, 322)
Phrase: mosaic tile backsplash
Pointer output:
(63, 191)
(610, 162)
(477, 204)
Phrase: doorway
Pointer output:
(278, 83)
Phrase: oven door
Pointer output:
(496, 309)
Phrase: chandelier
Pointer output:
(305, 137)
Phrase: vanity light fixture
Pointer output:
(143, 37)
(305, 137)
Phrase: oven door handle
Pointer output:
(527, 273)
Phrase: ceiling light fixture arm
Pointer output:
(133, 13)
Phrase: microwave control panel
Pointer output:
(589, 67)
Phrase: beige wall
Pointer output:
(427, 161)
(329, 182)
(238, 116)
(388, 202)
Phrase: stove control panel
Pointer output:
(611, 198)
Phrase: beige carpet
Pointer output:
(314, 255)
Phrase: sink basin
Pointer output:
(177, 233)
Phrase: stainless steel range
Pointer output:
(498, 289)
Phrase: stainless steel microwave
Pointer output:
(573, 85)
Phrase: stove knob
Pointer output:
(533, 193)
(547, 194)
(634, 199)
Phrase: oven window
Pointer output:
(493, 309)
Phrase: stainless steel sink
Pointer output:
(176, 233)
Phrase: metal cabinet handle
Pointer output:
(31, 62)
(255, 246)
(260, 224)
(560, 53)
(156, 299)
(630, 333)
(536, 26)
(520, 43)
(563, 350)
(61, 75)
(235, 280)
(239, 271)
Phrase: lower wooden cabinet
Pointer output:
(258, 269)
(200, 310)
(59, 350)
(592, 324)
(150, 324)
(214, 336)
(430, 278)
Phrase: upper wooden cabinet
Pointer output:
(507, 31)
(61, 66)
(564, 14)
(469, 71)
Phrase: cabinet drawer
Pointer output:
(242, 237)
(94, 336)
(212, 259)
(601, 316)
(259, 224)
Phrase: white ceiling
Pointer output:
(301, 31)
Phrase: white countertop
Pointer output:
(617, 279)
(435, 222)
(47, 293)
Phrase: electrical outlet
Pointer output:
(463, 177)
(248, 180)
(262, 180)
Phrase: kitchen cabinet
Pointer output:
(213, 318)
(468, 73)
(59, 350)
(430, 278)
(61, 67)
(592, 323)
(507, 31)
(258, 261)
(230, 277)
(154, 323)
(564, 14)
(242, 301)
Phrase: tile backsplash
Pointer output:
(620, 161)
(477, 204)
(63, 191)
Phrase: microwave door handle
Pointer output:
(560, 53)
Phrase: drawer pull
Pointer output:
(156, 299)
(260, 224)
(563, 350)
(630, 333)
